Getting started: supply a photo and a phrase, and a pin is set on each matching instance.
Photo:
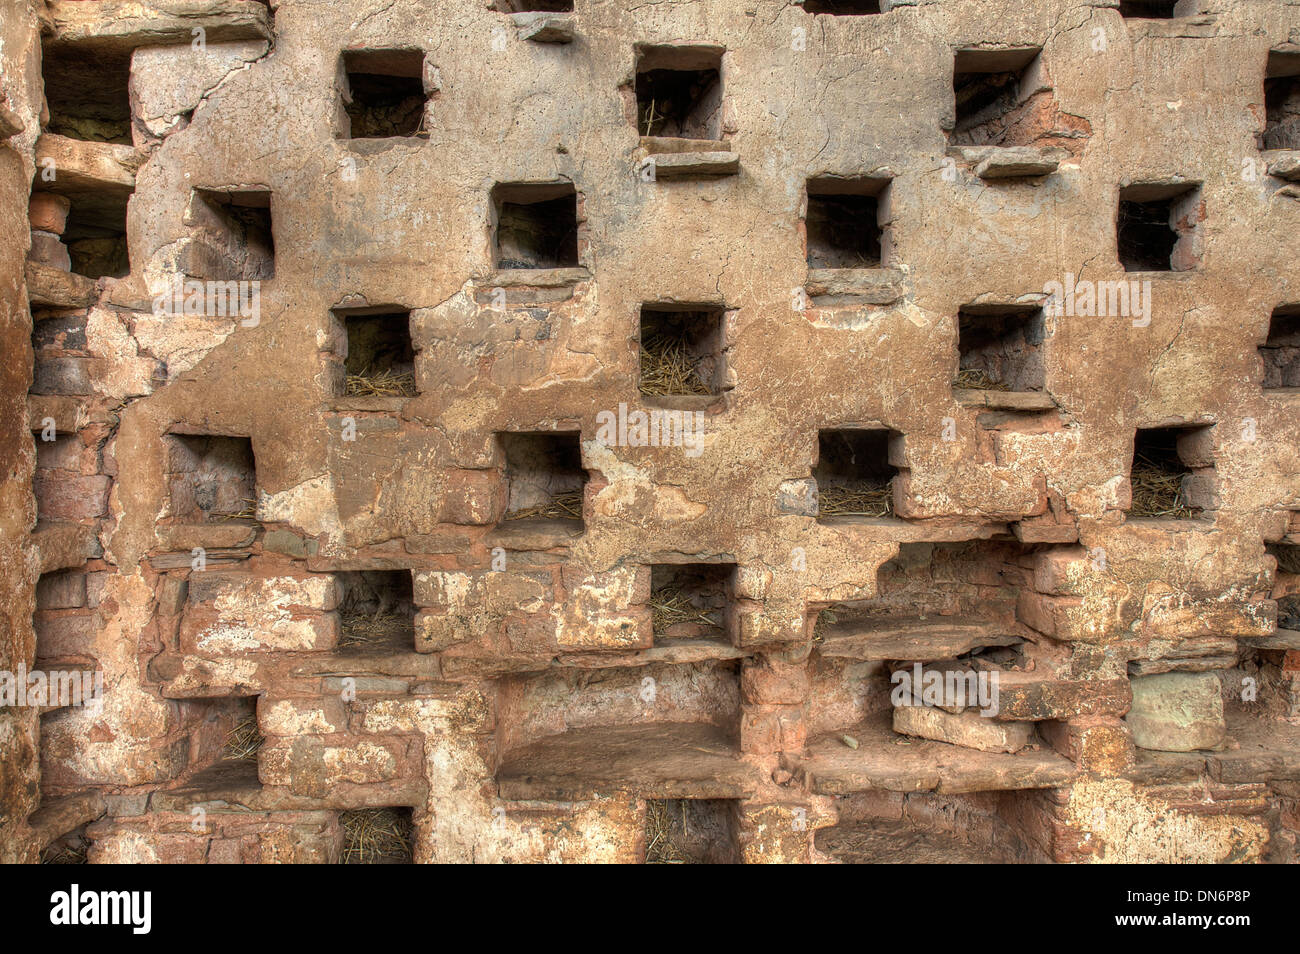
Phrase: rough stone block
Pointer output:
(1177, 712)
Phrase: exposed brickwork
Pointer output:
(549, 437)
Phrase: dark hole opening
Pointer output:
(1281, 351)
(381, 358)
(1146, 235)
(536, 228)
(386, 93)
(544, 474)
(87, 92)
(853, 473)
(679, 103)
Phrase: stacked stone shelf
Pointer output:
(913, 639)
(654, 760)
(885, 760)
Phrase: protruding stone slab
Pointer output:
(694, 165)
(871, 286)
(885, 761)
(544, 27)
(664, 760)
(1285, 164)
(11, 124)
(911, 639)
(1177, 712)
(1016, 162)
(123, 25)
(55, 288)
(1005, 400)
(86, 166)
(968, 728)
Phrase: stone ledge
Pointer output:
(872, 286)
(694, 165)
(123, 25)
(52, 287)
(545, 27)
(653, 760)
(87, 166)
(885, 760)
(1004, 400)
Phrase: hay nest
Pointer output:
(386, 383)
(1158, 492)
(567, 506)
(66, 851)
(661, 846)
(247, 512)
(363, 629)
(667, 366)
(375, 836)
(243, 741)
(670, 606)
(860, 501)
(824, 618)
(977, 379)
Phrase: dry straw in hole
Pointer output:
(386, 383)
(670, 606)
(66, 852)
(375, 836)
(877, 501)
(977, 379)
(361, 629)
(661, 847)
(667, 366)
(243, 741)
(1157, 492)
(248, 512)
(566, 506)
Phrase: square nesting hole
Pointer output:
(854, 475)
(211, 479)
(1000, 348)
(377, 836)
(87, 93)
(1281, 102)
(536, 225)
(544, 475)
(988, 87)
(1148, 9)
(383, 94)
(843, 8)
(224, 735)
(234, 239)
(679, 92)
(692, 831)
(844, 222)
(378, 358)
(1158, 228)
(377, 612)
(1172, 475)
(683, 350)
(690, 600)
(95, 234)
(1281, 351)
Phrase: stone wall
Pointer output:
(462, 432)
